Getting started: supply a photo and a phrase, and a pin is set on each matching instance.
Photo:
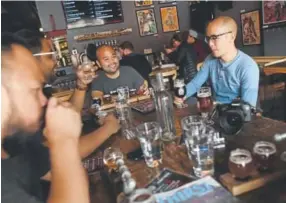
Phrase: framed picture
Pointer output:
(140, 3)
(250, 27)
(166, 1)
(146, 22)
(274, 12)
(169, 18)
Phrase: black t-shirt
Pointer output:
(21, 173)
(139, 63)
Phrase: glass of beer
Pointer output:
(87, 67)
(240, 164)
(205, 101)
(110, 156)
(180, 91)
(264, 155)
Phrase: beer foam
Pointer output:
(240, 157)
(204, 94)
(264, 148)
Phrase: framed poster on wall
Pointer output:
(146, 22)
(140, 3)
(274, 12)
(169, 18)
(250, 27)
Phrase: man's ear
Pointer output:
(97, 63)
(233, 36)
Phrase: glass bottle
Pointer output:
(164, 108)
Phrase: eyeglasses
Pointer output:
(53, 53)
(215, 37)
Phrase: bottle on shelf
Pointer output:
(75, 57)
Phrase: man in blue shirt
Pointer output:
(232, 73)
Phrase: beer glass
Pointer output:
(199, 142)
(205, 101)
(264, 154)
(107, 99)
(240, 164)
(149, 135)
(96, 102)
(124, 114)
(123, 93)
(142, 196)
(110, 156)
(180, 91)
(188, 123)
(87, 67)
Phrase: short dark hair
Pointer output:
(32, 38)
(8, 39)
(127, 45)
(177, 37)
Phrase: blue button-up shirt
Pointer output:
(238, 78)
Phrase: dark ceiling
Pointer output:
(17, 15)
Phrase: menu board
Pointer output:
(92, 13)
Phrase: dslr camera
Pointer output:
(231, 117)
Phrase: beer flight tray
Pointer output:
(256, 180)
(132, 99)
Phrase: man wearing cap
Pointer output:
(201, 48)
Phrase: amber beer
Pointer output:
(205, 101)
(240, 164)
(110, 156)
(110, 163)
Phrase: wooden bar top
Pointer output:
(175, 156)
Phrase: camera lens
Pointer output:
(231, 121)
(234, 119)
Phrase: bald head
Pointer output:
(225, 23)
(107, 59)
(221, 33)
(104, 48)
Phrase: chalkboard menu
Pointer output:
(92, 13)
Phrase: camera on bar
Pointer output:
(231, 117)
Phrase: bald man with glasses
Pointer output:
(232, 73)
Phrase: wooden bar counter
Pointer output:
(175, 157)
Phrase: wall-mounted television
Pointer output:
(92, 13)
